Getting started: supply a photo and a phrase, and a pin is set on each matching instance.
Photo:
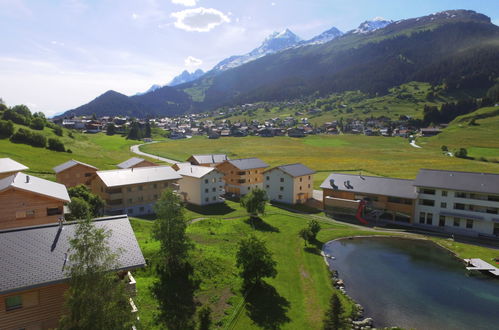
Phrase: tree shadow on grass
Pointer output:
(258, 224)
(314, 247)
(266, 308)
(213, 209)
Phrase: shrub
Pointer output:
(56, 145)
(461, 153)
(21, 136)
(6, 128)
(37, 123)
(69, 151)
(57, 130)
(38, 140)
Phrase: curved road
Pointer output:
(135, 149)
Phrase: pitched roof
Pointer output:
(371, 185)
(116, 178)
(210, 159)
(295, 170)
(35, 256)
(69, 164)
(248, 163)
(8, 165)
(455, 180)
(193, 170)
(130, 162)
(35, 185)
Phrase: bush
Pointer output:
(57, 130)
(15, 117)
(6, 128)
(37, 123)
(461, 153)
(38, 140)
(56, 145)
(27, 137)
(69, 151)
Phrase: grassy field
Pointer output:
(343, 153)
(295, 299)
(99, 150)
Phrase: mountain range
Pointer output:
(459, 48)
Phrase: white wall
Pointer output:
(275, 188)
(202, 191)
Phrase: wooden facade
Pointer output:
(238, 181)
(6, 174)
(40, 308)
(144, 163)
(76, 175)
(22, 208)
(392, 207)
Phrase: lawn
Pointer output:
(99, 150)
(296, 299)
(370, 155)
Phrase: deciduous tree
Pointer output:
(255, 202)
(255, 260)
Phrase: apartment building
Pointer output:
(207, 160)
(32, 270)
(290, 184)
(242, 175)
(26, 200)
(133, 191)
(9, 167)
(377, 197)
(73, 173)
(200, 185)
(136, 162)
(458, 202)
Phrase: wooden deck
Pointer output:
(479, 264)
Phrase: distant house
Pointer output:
(32, 270)
(9, 167)
(26, 200)
(213, 136)
(431, 131)
(73, 173)
(207, 160)
(225, 132)
(200, 185)
(296, 132)
(135, 162)
(291, 184)
(133, 191)
(242, 175)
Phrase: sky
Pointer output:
(56, 55)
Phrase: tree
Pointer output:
(6, 128)
(444, 148)
(204, 318)
(254, 202)
(38, 140)
(96, 299)
(57, 130)
(305, 235)
(176, 284)
(37, 123)
(461, 153)
(56, 145)
(147, 130)
(110, 129)
(79, 209)
(314, 228)
(95, 202)
(334, 319)
(254, 260)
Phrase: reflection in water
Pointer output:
(414, 284)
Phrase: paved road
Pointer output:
(135, 149)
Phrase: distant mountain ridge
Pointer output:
(186, 77)
(458, 47)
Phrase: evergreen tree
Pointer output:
(96, 299)
(334, 319)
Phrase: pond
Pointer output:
(414, 284)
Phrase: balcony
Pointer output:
(241, 181)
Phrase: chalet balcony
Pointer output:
(241, 181)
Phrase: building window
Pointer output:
(206, 190)
(280, 196)
(129, 189)
(214, 189)
(206, 199)
(422, 217)
(141, 198)
(309, 177)
(205, 180)
(282, 179)
(469, 224)
(428, 191)
(31, 213)
(444, 193)
(300, 187)
(130, 201)
(457, 222)
(214, 198)
(427, 202)
(140, 188)
(459, 206)
(141, 209)
(300, 179)
(460, 194)
(281, 188)
(88, 174)
(268, 178)
(443, 205)
(309, 185)
(13, 302)
(50, 211)
(267, 186)
(429, 218)
(155, 186)
(441, 221)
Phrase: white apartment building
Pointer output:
(200, 185)
(458, 202)
(290, 184)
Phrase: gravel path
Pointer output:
(135, 149)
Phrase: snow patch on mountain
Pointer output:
(372, 25)
(185, 77)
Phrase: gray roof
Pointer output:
(371, 185)
(34, 256)
(248, 163)
(130, 162)
(69, 164)
(210, 159)
(35, 185)
(193, 170)
(295, 170)
(453, 180)
(116, 178)
(8, 165)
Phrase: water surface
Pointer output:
(414, 284)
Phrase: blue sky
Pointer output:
(59, 54)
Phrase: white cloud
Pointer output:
(272, 3)
(199, 19)
(191, 61)
(135, 16)
(187, 3)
